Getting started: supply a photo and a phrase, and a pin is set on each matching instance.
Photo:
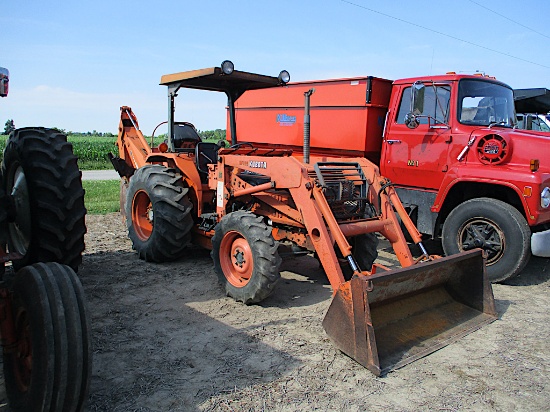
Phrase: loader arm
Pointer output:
(382, 320)
(311, 208)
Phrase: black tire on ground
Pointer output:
(158, 214)
(41, 174)
(77, 323)
(364, 250)
(494, 226)
(45, 371)
(86, 328)
(245, 257)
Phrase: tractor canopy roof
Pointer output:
(215, 79)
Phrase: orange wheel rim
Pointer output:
(236, 259)
(142, 215)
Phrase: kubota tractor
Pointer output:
(44, 319)
(241, 201)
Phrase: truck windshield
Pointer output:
(485, 103)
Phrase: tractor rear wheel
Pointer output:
(46, 220)
(45, 369)
(245, 257)
(158, 214)
(365, 250)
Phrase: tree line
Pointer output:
(212, 135)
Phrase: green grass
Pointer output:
(102, 196)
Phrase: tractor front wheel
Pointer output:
(245, 257)
(158, 214)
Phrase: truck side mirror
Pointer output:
(417, 105)
(4, 81)
(417, 98)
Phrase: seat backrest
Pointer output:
(185, 132)
(206, 153)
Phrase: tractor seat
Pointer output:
(205, 154)
(185, 132)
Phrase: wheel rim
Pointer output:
(142, 215)
(20, 229)
(236, 259)
(484, 234)
(23, 351)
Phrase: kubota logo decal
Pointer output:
(257, 164)
(286, 120)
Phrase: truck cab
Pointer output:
(466, 173)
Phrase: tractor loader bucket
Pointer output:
(387, 320)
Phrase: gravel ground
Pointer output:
(167, 339)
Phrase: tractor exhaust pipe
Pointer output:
(306, 125)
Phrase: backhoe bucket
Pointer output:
(410, 312)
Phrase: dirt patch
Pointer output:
(166, 339)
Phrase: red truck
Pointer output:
(448, 144)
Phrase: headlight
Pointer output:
(545, 198)
(284, 77)
(227, 67)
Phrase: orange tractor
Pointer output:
(242, 201)
(44, 318)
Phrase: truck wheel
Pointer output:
(494, 226)
(158, 214)
(245, 257)
(47, 220)
(44, 369)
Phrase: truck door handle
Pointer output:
(393, 141)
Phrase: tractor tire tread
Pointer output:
(267, 261)
(56, 195)
(172, 208)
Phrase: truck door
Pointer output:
(418, 157)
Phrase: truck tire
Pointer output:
(47, 220)
(158, 214)
(245, 257)
(494, 226)
(44, 370)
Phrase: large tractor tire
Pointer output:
(46, 222)
(365, 250)
(49, 367)
(245, 257)
(158, 214)
(494, 226)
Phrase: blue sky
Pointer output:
(74, 63)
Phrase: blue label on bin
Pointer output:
(286, 120)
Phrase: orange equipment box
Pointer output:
(338, 110)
